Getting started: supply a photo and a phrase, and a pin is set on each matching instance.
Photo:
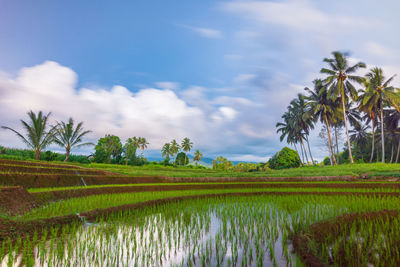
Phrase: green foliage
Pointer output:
(284, 159)
(108, 149)
(181, 159)
(222, 164)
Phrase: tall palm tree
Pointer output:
(339, 76)
(287, 131)
(369, 105)
(359, 135)
(197, 156)
(166, 151)
(381, 94)
(37, 136)
(174, 147)
(68, 136)
(186, 146)
(323, 109)
(142, 144)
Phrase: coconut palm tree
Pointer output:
(174, 147)
(130, 148)
(37, 136)
(287, 131)
(379, 95)
(166, 151)
(142, 144)
(369, 106)
(359, 135)
(197, 156)
(323, 109)
(186, 146)
(339, 76)
(69, 136)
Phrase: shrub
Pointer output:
(284, 159)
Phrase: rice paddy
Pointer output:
(331, 223)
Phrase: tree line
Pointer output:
(39, 134)
(343, 99)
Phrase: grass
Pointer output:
(373, 169)
(84, 204)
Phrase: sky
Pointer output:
(219, 72)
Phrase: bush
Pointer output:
(284, 159)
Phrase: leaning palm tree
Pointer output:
(166, 151)
(323, 109)
(339, 76)
(382, 94)
(37, 136)
(68, 136)
(186, 146)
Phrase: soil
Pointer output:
(16, 200)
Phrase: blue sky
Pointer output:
(218, 72)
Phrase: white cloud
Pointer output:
(244, 78)
(160, 115)
(204, 32)
(168, 85)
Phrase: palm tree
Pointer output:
(186, 146)
(379, 95)
(338, 80)
(323, 109)
(142, 143)
(197, 156)
(174, 147)
(359, 135)
(130, 148)
(37, 135)
(166, 151)
(288, 132)
(369, 105)
(69, 137)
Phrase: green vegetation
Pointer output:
(336, 102)
(284, 159)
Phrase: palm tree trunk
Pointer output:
(398, 151)
(337, 146)
(391, 155)
(37, 154)
(305, 151)
(330, 141)
(309, 149)
(373, 140)
(67, 151)
(302, 153)
(345, 124)
(295, 147)
(382, 135)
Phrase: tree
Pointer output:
(166, 151)
(286, 158)
(369, 106)
(107, 148)
(181, 159)
(197, 156)
(323, 109)
(186, 145)
(68, 136)
(380, 94)
(174, 148)
(130, 148)
(338, 80)
(37, 136)
(359, 135)
(142, 143)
